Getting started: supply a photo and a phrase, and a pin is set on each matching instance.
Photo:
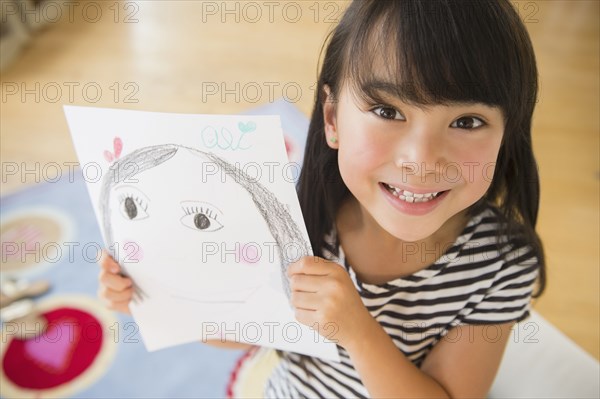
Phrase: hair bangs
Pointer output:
(425, 53)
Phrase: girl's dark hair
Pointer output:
(432, 52)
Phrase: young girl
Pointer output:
(420, 194)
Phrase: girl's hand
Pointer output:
(115, 290)
(325, 298)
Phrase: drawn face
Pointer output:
(412, 169)
(210, 249)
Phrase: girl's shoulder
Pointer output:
(492, 242)
(489, 220)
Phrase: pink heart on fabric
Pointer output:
(117, 148)
(53, 349)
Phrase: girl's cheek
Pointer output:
(133, 251)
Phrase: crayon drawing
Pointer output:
(202, 213)
(206, 213)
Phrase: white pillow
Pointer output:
(541, 362)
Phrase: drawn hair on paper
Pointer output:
(281, 226)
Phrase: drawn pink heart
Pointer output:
(53, 349)
(117, 148)
(108, 156)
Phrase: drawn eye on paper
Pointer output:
(201, 216)
(192, 227)
(133, 203)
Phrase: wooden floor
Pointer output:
(160, 55)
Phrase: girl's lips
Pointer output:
(413, 208)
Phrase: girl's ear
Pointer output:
(329, 118)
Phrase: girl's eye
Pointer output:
(133, 208)
(387, 113)
(201, 216)
(467, 122)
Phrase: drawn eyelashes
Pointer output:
(133, 204)
(201, 216)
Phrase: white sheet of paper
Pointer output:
(201, 212)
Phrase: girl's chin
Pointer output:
(419, 230)
(410, 236)
(406, 233)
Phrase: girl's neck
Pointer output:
(377, 256)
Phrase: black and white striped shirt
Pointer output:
(476, 281)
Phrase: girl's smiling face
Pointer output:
(410, 167)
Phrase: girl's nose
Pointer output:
(420, 152)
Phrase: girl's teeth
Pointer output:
(410, 197)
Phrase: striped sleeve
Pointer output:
(508, 299)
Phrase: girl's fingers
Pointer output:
(116, 296)
(113, 296)
(306, 317)
(305, 301)
(114, 300)
(115, 290)
(119, 306)
(312, 265)
(108, 263)
(304, 282)
(114, 281)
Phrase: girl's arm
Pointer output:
(462, 367)
(323, 295)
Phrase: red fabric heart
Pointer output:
(53, 349)
(68, 347)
